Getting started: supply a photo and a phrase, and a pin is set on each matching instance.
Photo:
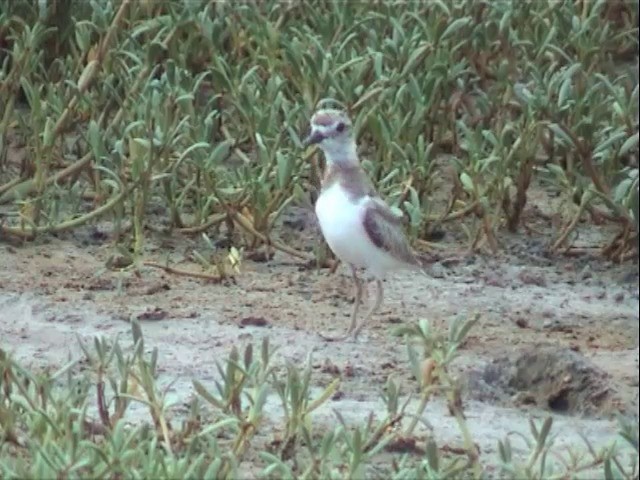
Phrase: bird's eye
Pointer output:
(340, 127)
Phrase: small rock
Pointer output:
(532, 278)
(339, 395)
(260, 256)
(404, 445)
(156, 314)
(158, 287)
(630, 277)
(523, 398)
(330, 368)
(349, 371)
(118, 261)
(586, 273)
(254, 321)
(494, 280)
(521, 322)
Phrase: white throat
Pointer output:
(340, 152)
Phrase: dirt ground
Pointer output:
(558, 334)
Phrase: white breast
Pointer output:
(341, 222)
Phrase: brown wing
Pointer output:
(384, 228)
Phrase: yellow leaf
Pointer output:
(92, 54)
(234, 258)
(246, 213)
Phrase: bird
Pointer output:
(357, 224)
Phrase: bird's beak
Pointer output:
(314, 137)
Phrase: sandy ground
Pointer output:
(557, 335)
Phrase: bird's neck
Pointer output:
(351, 178)
(343, 168)
(343, 154)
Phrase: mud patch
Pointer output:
(556, 379)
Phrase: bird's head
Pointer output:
(332, 131)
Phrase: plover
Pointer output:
(357, 224)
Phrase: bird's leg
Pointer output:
(357, 299)
(356, 308)
(374, 308)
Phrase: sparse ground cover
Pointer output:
(162, 277)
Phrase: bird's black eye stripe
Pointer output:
(340, 127)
